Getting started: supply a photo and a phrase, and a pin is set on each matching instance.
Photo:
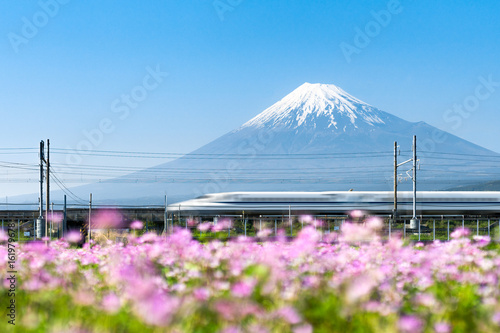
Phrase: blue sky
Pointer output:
(228, 60)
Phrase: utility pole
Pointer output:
(52, 220)
(395, 210)
(414, 221)
(90, 217)
(244, 223)
(39, 222)
(165, 216)
(47, 182)
(64, 222)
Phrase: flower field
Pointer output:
(346, 282)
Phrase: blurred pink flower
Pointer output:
(306, 218)
(289, 314)
(375, 223)
(226, 309)
(203, 227)
(410, 324)
(242, 289)
(107, 218)
(156, 309)
(317, 223)
(460, 233)
(222, 225)
(56, 217)
(306, 328)
(354, 232)
(73, 236)
(425, 299)
(136, 225)
(111, 303)
(357, 214)
(442, 328)
(201, 294)
(264, 233)
(3, 236)
(481, 240)
(83, 297)
(232, 329)
(360, 287)
(496, 318)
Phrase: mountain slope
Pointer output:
(316, 138)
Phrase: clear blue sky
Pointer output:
(227, 64)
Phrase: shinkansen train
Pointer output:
(428, 203)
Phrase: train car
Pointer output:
(428, 203)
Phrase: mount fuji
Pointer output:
(317, 138)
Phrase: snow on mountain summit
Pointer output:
(319, 106)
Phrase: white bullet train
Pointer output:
(428, 203)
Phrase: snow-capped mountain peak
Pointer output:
(318, 106)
